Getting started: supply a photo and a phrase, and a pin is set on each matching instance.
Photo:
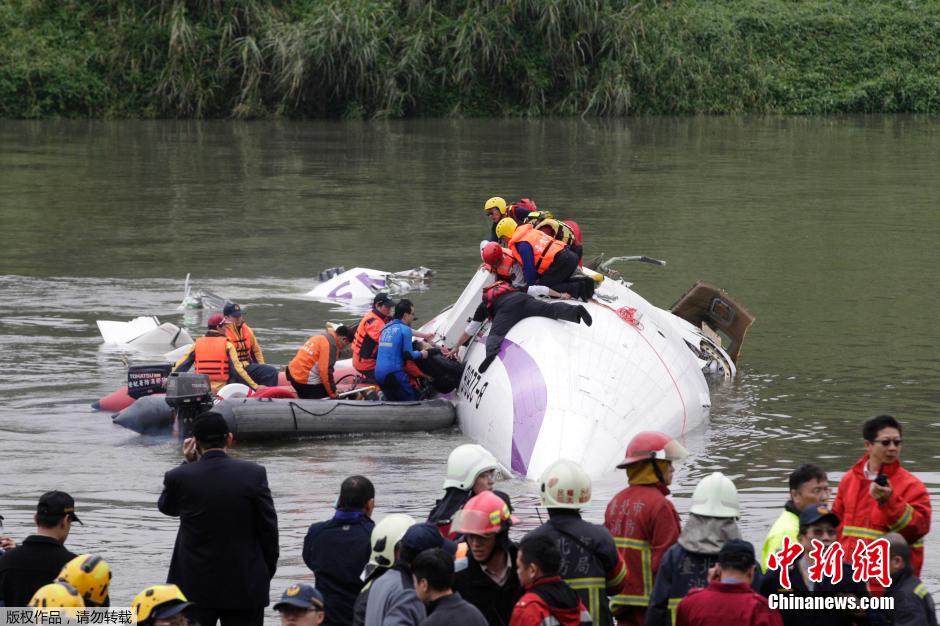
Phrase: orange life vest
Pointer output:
(243, 340)
(212, 358)
(544, 247)
(494, 292)
(371, 325)
(504, 268)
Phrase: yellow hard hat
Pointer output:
(89, 574)
(495, 203)
(505, 227)
(159, 601)
(57, 595)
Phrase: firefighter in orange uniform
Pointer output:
(310, 372)
(643, 522)
(215, 356)
(245, 342)
(877, 495)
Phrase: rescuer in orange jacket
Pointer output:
(215, 356)
(366, 342)
(245, 342)
(544, 259)
(310, 372)
(877, 495)
(643, 522)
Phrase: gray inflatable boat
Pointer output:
(257, 419)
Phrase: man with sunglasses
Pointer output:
(877, 495)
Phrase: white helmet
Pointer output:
(467, 462)
(564, 485)
(386, 535)
(233, 390)
(715, 496)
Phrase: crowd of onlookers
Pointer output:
(854, 561)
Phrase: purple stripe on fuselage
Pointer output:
(529, 401)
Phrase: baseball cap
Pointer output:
(215, 320)
(421, 537)
(209, 425)
(232, 309)
(382, 299)
(815, 513)
(57, 503)
(301, 597)
(737, 553)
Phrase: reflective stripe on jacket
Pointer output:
(314, 361)
(863, 519)
(644, 524)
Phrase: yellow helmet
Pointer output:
(57, 595)
(89, 574)
(159, 601)
(495, 203)
(505, 227)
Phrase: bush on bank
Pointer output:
(329, 58)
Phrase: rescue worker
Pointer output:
(392, 598)
(642, 520)
(877, 495)
(817, 523)
(497, 209)
(547, 598)
(486, 576)
(215, 356)
(303, 605)
(808, 485)
(471, 470)
(91, 576)
(433, 574)
(161, 603)
(310, 372)
(729, 599)
(507, 306)
(386, 543)
(247, 346)
(499, 261)
(395, 347)
(712, 521)
(913, 604)
(590, 563)
(57, 595)
(544, 259)
(366, 341)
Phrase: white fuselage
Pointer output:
(567, 390)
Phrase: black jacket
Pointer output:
(770, 583)
(478, 589)
(453, 610)
(913, 605)
(336, 551)
(26, 568)
(227, 547)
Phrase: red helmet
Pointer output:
(485, 514)
(492, 253)
(650, 445)
(526, 204)
(573, 225)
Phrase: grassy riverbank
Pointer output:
(328, 58)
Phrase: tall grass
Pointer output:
(375, 58)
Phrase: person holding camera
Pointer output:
(226, 550)
(877, 495)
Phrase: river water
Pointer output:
(825, 228)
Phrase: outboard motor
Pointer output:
(189, 395)
(145, 380)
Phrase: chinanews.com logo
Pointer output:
(869, 562)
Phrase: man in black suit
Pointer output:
(227, 547)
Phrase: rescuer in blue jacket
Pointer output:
(395, 346)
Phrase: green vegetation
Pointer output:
(329, 58)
